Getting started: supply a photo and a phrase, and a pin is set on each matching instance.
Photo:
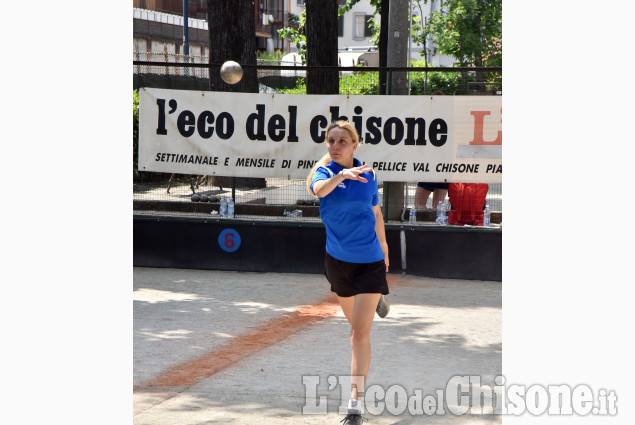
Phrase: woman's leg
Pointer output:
(360, 311)
(347, 304)
(421, 198)
(438, 196)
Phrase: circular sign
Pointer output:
(229, 240)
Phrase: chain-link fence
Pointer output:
(271, 198)
(168, 69)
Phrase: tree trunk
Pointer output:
(478, 55)
(232, 36)
(321, 46)
(397, 57)
(480, 75)
(397, 43)
(383, 44)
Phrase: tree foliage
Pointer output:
(297, 36)
(422, 83)
(468, 30)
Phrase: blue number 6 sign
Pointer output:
(229, 240)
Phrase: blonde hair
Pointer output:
(326, 159)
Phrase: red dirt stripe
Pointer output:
(397, 280)
(242, 346)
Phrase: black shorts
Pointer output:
(348, 279)
(430, 187)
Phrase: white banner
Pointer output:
(404, 138)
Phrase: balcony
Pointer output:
(268, 19)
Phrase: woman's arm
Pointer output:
(323, 187)
(381, 233)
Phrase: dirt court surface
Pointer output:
(224, 347)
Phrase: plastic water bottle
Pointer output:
(486, 216)
(446, 208)
(223, 207)
(442, 218)
(412, 219)
(230, 208)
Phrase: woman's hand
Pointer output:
(384, 248)
(323, 187)
(381, 233)
(354, 173)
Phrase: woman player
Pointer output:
(356, 259)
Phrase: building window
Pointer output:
(340, 26)
(362, 26)
(300, 2)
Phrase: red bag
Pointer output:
(468, 200)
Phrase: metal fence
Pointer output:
(169, 69)
(266, 198)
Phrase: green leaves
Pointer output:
(359, 83)
(297, 36)
(469, 30)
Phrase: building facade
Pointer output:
(158, 28)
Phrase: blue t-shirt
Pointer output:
(347, 214)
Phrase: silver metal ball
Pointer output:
(231, 72)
